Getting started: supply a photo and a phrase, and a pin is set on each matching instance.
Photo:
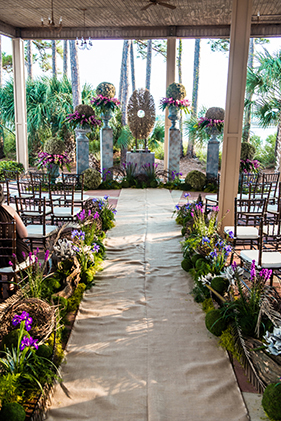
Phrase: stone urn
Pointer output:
(106, 116)
(54, 171)
(174, 115)
(213, 113)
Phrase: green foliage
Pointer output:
(176, 91)
(220, 284)
(10, 166)
(227, 342)
(157, 136)
(11, 339)
(106, 89)
(74, 301)
(9, 388)
(271, 401)
(186, 264)
(125, 138)
(44, 351)
(13, 412)
(247, 151)
(208, 305)
(200, 292)
(87, 276)
(215, 323)
(196, 179)
(92, 179)
(266, 154)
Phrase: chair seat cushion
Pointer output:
(211, 198)
(244, 233)
(34, 212)
(272, 208)
(36, 230)
(65, 212)
(270, 259)
(271, 230)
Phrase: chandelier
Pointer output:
(51, 21)
(84, 44)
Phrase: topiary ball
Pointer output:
(215, 113)
(176, 91)
(215, 323)
(186, 264)
(196, 179)
(247, 151)
(271, 401)
(54, 147)
(12, 412)
(106, 89)
(85, 110)
(44, 351)
(92, 179)
(219, 284)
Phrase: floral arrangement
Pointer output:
(105, 104)
(83, 116)
(249, 166)
(204, 123)
(47, 160)
(181, 104)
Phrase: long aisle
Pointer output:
(139, 350)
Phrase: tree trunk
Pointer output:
(75, 75)
(133, 75)
(121, 84)
(148, 64)
(196, 69)
(180, 81)
(1, 68)
(54, 59)
(247, 113)
(65, 57)
(125, 91)
(29, 59)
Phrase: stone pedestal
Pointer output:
(82, 150)
(106, 148)
(212, 158)
(140, 158)
(174, 150)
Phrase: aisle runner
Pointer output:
(139, 350)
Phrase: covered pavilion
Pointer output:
(131, 19)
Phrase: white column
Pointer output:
(170, 78)
(20, 101)
(236, 84)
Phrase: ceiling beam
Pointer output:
(8, 30)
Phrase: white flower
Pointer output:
(63, 249)
(274, 341)
(206, 279)
(230, 274)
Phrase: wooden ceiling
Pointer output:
(120, 19)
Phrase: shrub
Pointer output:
(196, 179)
(247, 151)
(215, 323)
(75, 299)
(271, 401)
(17, 167)
(176, 91)
(12, 412)
(54, 147)
(106, 89)
(92, 179)
(219, 284)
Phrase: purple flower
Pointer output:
(106, 197)
(213, 254)
(231, 234)
(96, 215)
(253, 270)
(95, 248)
(11, 263)
(46, 255)
(186, 194)
(24, 316)
(28, 342)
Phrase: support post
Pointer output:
(170, 78)
(106, 149)
(236, 83)
(20, 101)
(82, 150)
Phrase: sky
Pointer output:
(102, 64)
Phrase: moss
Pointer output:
(247, 151)
(125, 184)
(74, 301)
(176, 91)
(196, 179)
(207, 305)
(215, 323)
(153, 184)
(186, 264)
(271, 401)
(106, 89)
(44, 351)
(59, 353)
(220, 284)
(195, 257)
(87, 277)
(13, 412)
(54, 147)
(227, 342)
(92, 179)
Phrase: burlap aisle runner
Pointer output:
(139, 349)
